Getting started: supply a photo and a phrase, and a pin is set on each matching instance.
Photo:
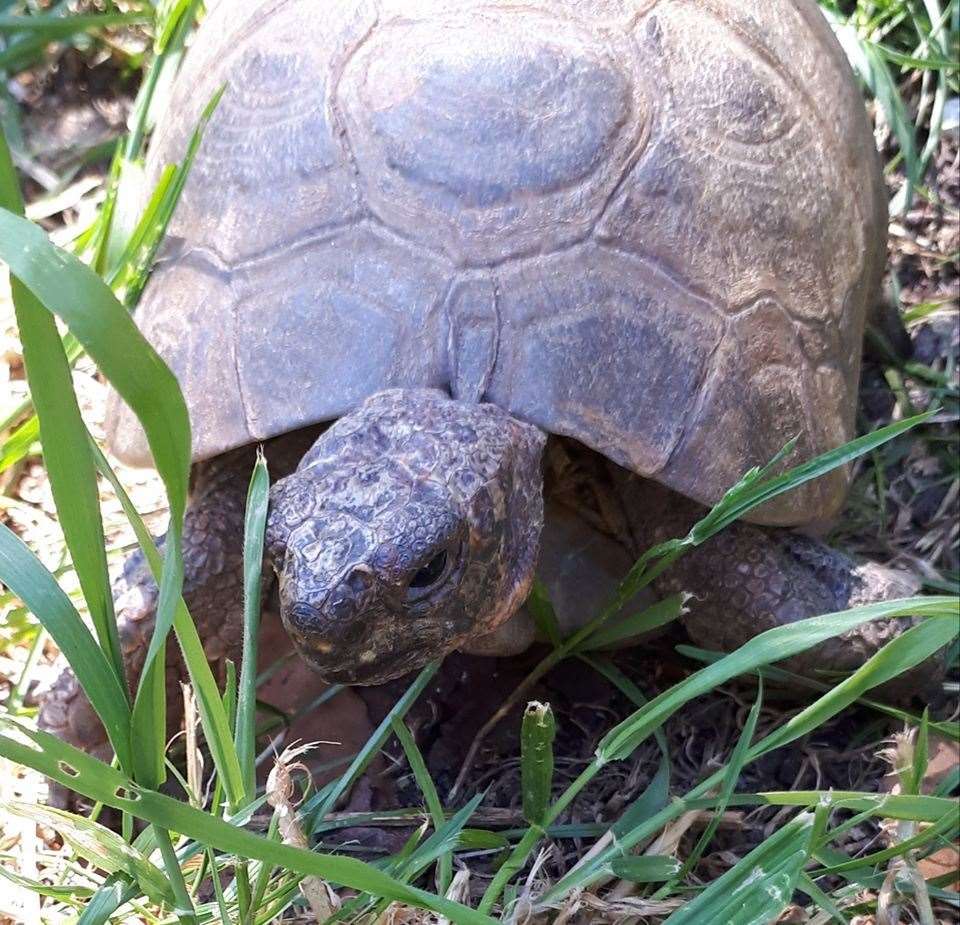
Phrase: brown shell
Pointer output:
(652, 226)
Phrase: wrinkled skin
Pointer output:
(410, 527)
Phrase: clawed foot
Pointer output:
(766, 578)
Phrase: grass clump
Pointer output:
(226, 850)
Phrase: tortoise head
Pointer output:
(409, 528)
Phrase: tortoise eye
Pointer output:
(431, 572)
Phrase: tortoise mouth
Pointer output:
(369, 632)
(350, 668)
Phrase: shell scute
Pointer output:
(652, 225)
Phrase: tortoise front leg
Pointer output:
(212, 589)
(748, 579)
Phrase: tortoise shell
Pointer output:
(654, 227)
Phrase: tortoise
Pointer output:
(487, 277)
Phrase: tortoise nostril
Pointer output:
(339, 607)
(359, 580)
(353, 633)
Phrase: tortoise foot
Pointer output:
(751, 579)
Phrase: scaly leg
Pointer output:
(745, 580)
(748, 579)
(212, 589)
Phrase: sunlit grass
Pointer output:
(192, 848)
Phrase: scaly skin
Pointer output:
(748, 579)
(745, 580)
(410, 478)
(411, 473)
(212, 589)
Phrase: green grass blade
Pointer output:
(900, 654)
(71, 290)
(95, 240)
(537, 733)
(906, 806)
(171, 32)
(68, 463)
(258, 496)
(128, 275)
(99, 846)
(773, 645)
(870, 65)
(321, 804)
(544, 616)
(755, 488)
(28, 36)
(66, 454)
(182, 903)
(20, 443)
(445, 838)
(127, 192)
(129, 272)
(753, 492)
(806, 885)
(68, 892)
(99, 781)
(413, 859)
(148, 719)
(618, 679)
(25, 575)
(949, 783)
(218, 887)
(645, 869)
(947, 826)
(656, 795)
(110, 897)
(482, 840)
(921, 754)
(653, 617)
(213, 714)
(758, 887)
(909, 649)
(429, 790)
(795, 682)
(536, 766)
(931, 63)
(56, 28)
(734, 767)
(654, 798)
